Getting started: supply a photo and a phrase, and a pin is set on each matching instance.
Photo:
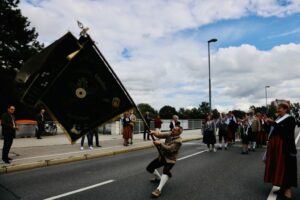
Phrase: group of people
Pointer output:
(257, 130)
(226, 126)
(9, 128)
(90, 135)
(252, 129)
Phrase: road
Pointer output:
(197, 175)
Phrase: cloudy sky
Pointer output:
(158, 48)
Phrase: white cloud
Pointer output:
(165, 69)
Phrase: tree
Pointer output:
(183, 113)
(144, 107)
(215, 114)
(239, 114)
(18, 40)
(295, 108)
(166, 112)
(18, 43)
(204, 109)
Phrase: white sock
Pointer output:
(163, 181)
(254, 145)
(156, 174)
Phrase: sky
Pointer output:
(158, 48)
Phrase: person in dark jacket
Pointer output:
(281, 155)
(41, 123)
(147, 125)
(9, 128)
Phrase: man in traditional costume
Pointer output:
(167, 158)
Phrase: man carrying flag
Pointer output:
(167, 158)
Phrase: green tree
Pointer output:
(166, 112)
(18, 43)
(182, 113)
(144, 107)
(203, 109)
(295, 108)
(18, 39)
(215, 113)
(239, 113)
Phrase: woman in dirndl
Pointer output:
(280, 159)
(209, 137)
(127, 130)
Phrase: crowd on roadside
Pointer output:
(255, 130)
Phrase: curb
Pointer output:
(52, 162)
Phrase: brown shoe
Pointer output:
(156, 193)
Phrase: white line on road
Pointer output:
(109, 181)
(273, 196)
(297, 139)
(80, 190)
(194, 154)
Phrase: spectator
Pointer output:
(96, 134)
(173, 122)
(157, 123)
(222, 131)
(281, 158)
(126, 128)
(41, 123)
(9, 128)
(147, 126)
(209, 137)
(89, 136)
(132, 122)
(231, 128)
(244, 127)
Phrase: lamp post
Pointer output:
(266, 87)
(209, 81)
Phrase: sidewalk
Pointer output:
(29, 153)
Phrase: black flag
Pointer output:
(83, 93)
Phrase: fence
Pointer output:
(115, 128)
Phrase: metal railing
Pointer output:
(187, 124)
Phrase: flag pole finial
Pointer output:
(84, 30)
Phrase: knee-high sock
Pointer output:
(156, 174)
(163, 181)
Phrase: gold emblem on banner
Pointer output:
(116, 102)
(82, 85)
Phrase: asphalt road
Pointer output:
(218, 176)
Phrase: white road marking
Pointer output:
(80, 190)
(194, 154)
(73, 152)
(273, 196)
(109, 181)
(297, 139)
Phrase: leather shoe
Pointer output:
(279, 192)
(6, 161)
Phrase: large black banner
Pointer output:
(83, 93)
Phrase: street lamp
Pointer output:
(267, 86)
(209, 81)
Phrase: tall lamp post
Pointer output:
(209, 81)
(266, 87)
